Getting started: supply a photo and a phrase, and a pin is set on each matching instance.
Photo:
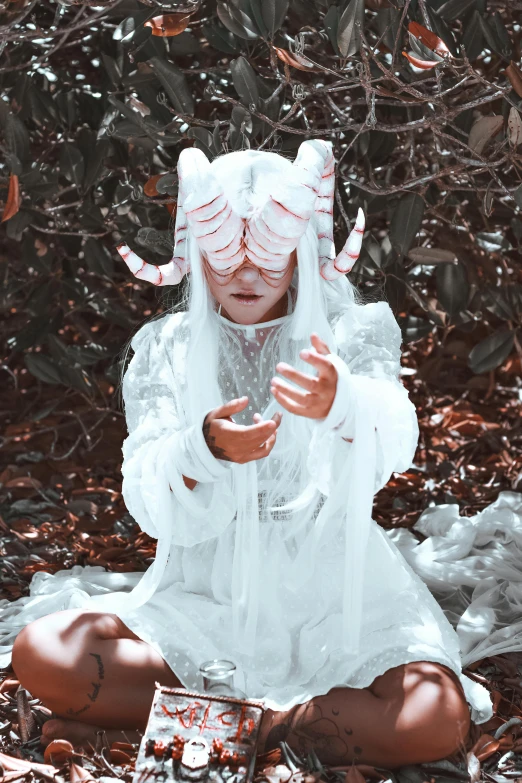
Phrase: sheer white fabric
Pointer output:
(278, 591)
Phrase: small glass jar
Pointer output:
(218, 678)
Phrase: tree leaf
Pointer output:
(203, 141)
(331, 25)
(514, 127)
(220, 38)
(273, 12)
(496, 35)
(240, 128)
(348, 31)
(295, 60)
(455, 9)
(517, 195)
(491, 352)
(98, 258)
(95, 162)
(236, 21)
(406, 221)
(473, 38)
(483, 130)
(452, 287)
(12, 205)
(514, 75)
(168, 24)
(431, 255)
(72, 165)
(422, 51)
(174, 83)
(418, 63)
(244, 78)
(428, 38)
(43, 368)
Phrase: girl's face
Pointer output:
(251, 295)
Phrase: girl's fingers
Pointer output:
(302, 397)
(319, 344)
(308, 382)
(264, 450)
(290, 405)
(318, 360)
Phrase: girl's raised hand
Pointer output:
(319, 390)
(236, 442)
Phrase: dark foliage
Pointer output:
(420, 97)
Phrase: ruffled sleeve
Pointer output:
(369, 347)
(161, 448)
(370, 432)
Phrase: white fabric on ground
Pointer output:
(283, 571)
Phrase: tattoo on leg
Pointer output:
(101, 671)
(77, 712)
(96, 686)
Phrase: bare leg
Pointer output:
(89, 668)
(411, 714)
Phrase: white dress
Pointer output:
(285, 632)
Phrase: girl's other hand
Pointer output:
(236, 442)
(316, 399)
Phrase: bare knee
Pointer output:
(446, 719)
(433, 717)
(47, 648)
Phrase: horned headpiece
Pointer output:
(267, 234)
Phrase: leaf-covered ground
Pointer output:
(61, 505)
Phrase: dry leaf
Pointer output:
(295, 60)
(429, 39)
(140, 107)
(119, 757)
(514, 127)
(12, 204)
(150, 186)
(485, 746)
(514, 75)
(11, 764)
(168, 24)
(354, 776)
(9, 685)
(423, 64)
(58, 751)
(483, 130)
(126, 746)
(79, 774)
(473, 768)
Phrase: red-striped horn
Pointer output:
(217, 228)
(166, 274)
(345, 260)
(274, 232)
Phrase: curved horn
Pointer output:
(273, 233)
(345, 260)
(166, 274)
(217, 228)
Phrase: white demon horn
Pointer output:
(217, 228)
(345, 260)
(167, 274)
(271, 235)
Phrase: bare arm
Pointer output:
(190, 483)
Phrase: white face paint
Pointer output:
(264, 295)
